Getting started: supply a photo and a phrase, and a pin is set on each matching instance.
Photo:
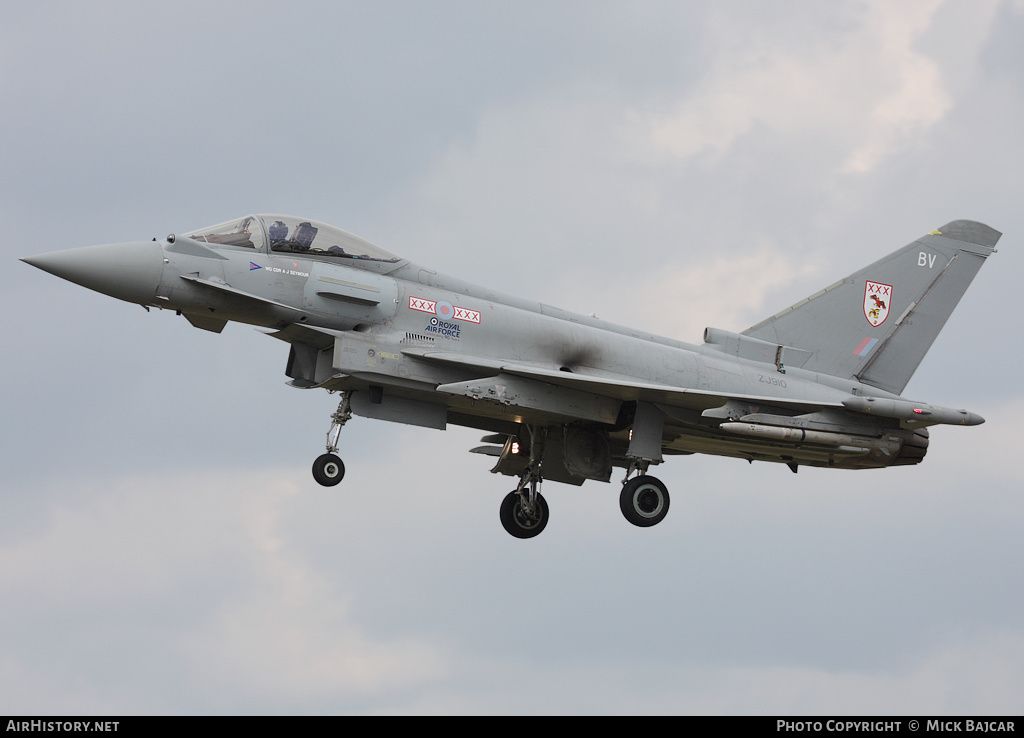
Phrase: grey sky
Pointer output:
(163, 548)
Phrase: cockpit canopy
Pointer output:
(288, 234)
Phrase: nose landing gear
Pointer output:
(328, 469)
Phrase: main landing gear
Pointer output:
(328, 469)
(524, 512)
(644, 500)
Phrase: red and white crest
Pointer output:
(877, 298)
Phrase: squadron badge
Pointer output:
(877, 297)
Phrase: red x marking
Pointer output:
(471, 316)
(424, 306)
(430, 306)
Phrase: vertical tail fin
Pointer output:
(877, 324)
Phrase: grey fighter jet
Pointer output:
(563, 397)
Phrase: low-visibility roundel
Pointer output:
(445, 310)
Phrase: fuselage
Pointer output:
(414, 345)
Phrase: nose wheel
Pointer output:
(328, 469)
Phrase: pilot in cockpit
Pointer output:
(278, 233)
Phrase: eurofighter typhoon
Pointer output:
(563, 397)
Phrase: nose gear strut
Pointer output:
(328, 469)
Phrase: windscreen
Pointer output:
(246, 232)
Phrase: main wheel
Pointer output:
(518, 521)
(328, 470)
(644, 501)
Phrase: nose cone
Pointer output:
(127, 271)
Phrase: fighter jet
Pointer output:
(563, 397)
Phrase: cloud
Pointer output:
(861, 84)
(191, 575)
(988, 450)
(979, 677)
(725, 291)
(972, 677)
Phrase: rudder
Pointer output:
(877, 324)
